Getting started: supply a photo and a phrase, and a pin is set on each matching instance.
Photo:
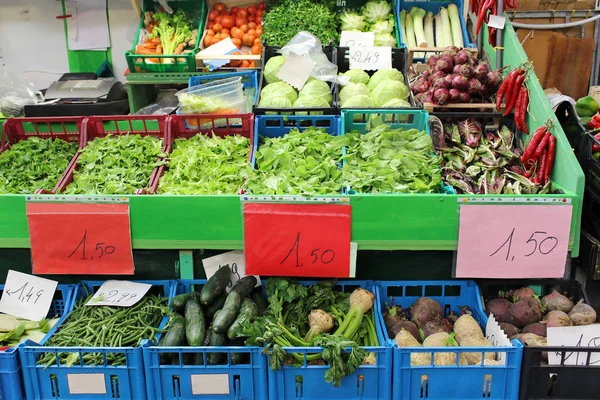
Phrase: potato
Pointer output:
(466, 326)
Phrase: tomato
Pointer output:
(234, 10)
(242, 12)
(225, 30)
(244, 28)
(213, 15)
(261, 5)
(210, 32)
(220, 7)
(228, 22)
(259, 15)
(215, 40)
(217, 27)
(209, 25)
(218, 19)
(256, 41)
(245, 64)
(252, 25)
(207, 40)
(251, 10)
(251, 32)
(251, 18)
(239, 21)
(258, 31)
(237, 33)
(256, 49)
(237, 42)
(248, 40)
(225, 35)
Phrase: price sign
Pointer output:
(370, 58)
(513, 241)
(295, 70)
(497, 337)
(497, 21)
(574, 336)
(350, 39)
(119, 294)
(27, 296)
(234, 260)
(297, 239)
(80, 238)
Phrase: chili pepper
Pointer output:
(515, 92)
(542, 167)
(527, 174)
(533, 143)
(482, 13)
(517, 115)
(492, 36)
(524, 107)
(474, 6)
(551, 155)
(542, 146)
(501, 92)
(594, 122)
(511, 78)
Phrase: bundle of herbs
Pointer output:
(478, 161)
(319, 315)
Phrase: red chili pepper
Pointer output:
(542, 146)
(551, 155)
(516, 88)
(594, 122)
(511, 78)
(492, 36)
(517, 115)
(541, 174)
(501, 92)
(533, 143)
(482, 13)
(524, 107)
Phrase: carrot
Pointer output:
(179, 48)
(155, 40)
(149, 46)
(158, 49)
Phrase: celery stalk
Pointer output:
(457, 36)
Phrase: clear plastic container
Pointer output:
(215, 97)
(216, 88)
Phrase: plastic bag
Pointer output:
(165, 6)
(309, 46)
(15, 94)
(165, 103)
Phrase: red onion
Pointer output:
(463, 57)
(420, 87)
(428, 98)
(448, 80)
(465, 97)
(484, 90)
(474, 86)
(454, 95)
(441, 96)
(494, 78)
(426, 73)
(432, 61)
(437, 74)
(460, 82)
(463, 69)
(481, 71)
(444, 66)
(440, 83)
(450, 51)
(420, 97)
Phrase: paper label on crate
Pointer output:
(497, 21)
(225, 46)
(497, 337)
(119, 294)
(27, 296)
(86, 383)
(370, 58)
(214, 384)
(237, 265)
(574, 336)
(513, 241)
(296, 70)
(351, 39)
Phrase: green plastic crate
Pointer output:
(137, 63)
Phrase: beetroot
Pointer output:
(460, 82)
(518, 293)
(465, 97)
(441, 96)
(463, 57)
(557, 318)
(509, 329)
(392, 315)
(454, 95)
(494, 78)
(408, 325)
(463, 69)
(582, 314)
(481, 71)
(537, 329)
(425, 310)
(437, 325)
(444, 66)
(500, 309)
(556, 301)
(525, 311)
(474, 86)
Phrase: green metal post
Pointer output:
(186, 264)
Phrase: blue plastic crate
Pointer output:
(434, 7)
(181, 380)
(368, 382)
(11, 387)
(448, 382)
(104, 381)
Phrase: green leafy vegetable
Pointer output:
(298, 163)
(116, 165)
(279, 89)
(358, 101)
(317, 88)
(352, 21)
(194, 104)
(384, 39)
(356, 76)
(172, 29)
(33, 164)
(353, 89)
(387, 160)
(376, 10)
(383, 74)
(272, 68)
(388, 90)
(206, 165)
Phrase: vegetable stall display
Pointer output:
(375, 16)
(385, 89)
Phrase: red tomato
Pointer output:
(251, 18)
(256, 49)
(248, 40)
(209, 25)
(220, 7)
(258, 31)
(261, 5)
(252, 25)
(237, 33)
(225, 30)
(234, 10)
(228, 22)
(217, 27)
(259, 15)
(251, 10)
(242, 12)
(244, 28)
(213, 15)
(237, 42)
(239, 21)
(216, 39)
(218, 19)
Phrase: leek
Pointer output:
(429, 30)
(457, 36)
(418, 14)
(410, 33)
(446, 31)
(439, 38)
(403, 25)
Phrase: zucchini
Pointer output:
(194, 322)
(216, 340)
(261, 302)
(238, 358)
(178, 302)
(215, 286)
(211, 311)
(230, 310)
(248, 311)
(175, 335)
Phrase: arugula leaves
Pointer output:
(206, 165)
(34, 163)
(116, 164)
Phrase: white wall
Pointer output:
(33, 44)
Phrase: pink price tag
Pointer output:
(513, 241)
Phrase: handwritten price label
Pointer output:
(497, 337)
(370, 58)
(297, 239)
(513, 241)
(574, 336)
(80, 238)
(27, 296)
(234, 260)
(119, 294)
(350, 39)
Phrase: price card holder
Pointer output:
(81, 239)
(237, 265)
(574, 336)
(497, 337)
(351, 39)
(513, 241)
(311, 240)
(27, 296)
(119, 294)
(370, 58)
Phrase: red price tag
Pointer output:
(513, 241)
(84, 239)
(297, 239)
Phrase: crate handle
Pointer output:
(424, 386)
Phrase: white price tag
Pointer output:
(350, 39)
(27, 296)
(210, 384)
(574, 336)
(353, 255)
(497, 21)
(119, 294)
(295, 70)
(370, 58)
(237, 265)
(86, 383)
(497, 337)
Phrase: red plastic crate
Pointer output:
(187, 126)
(17, 129)
(102, 126)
